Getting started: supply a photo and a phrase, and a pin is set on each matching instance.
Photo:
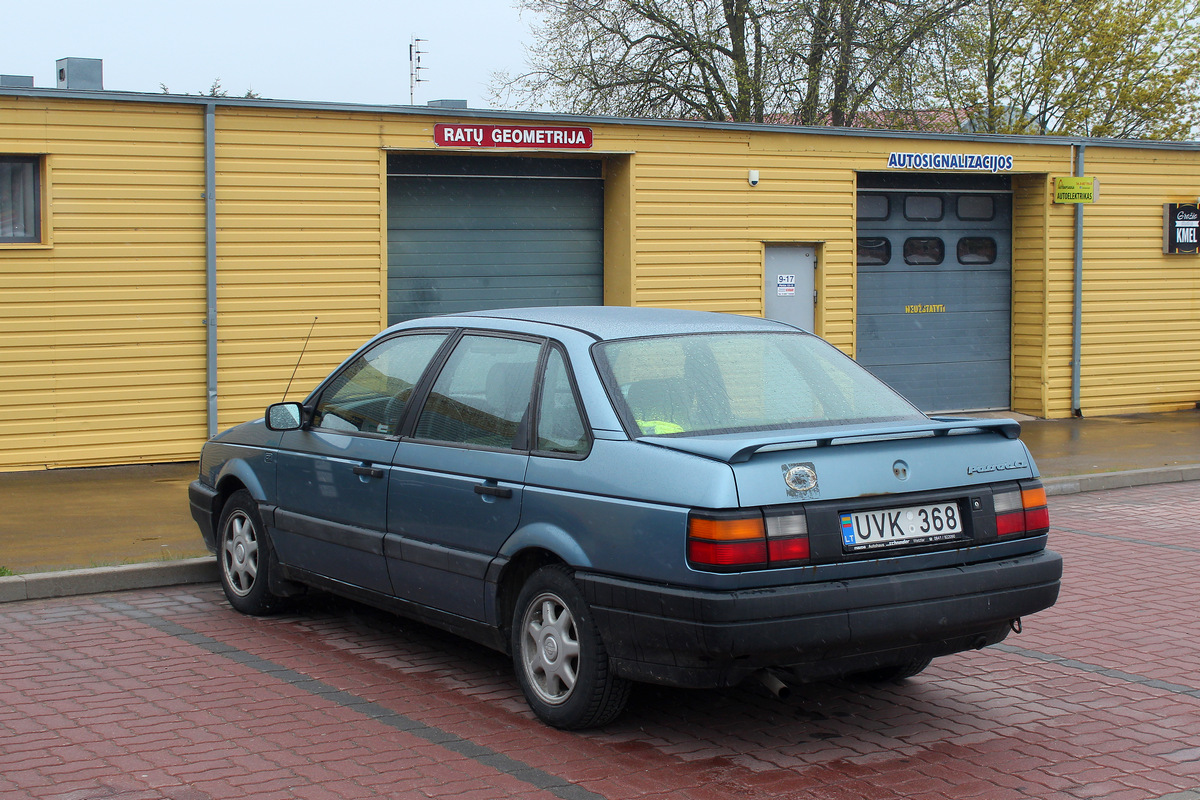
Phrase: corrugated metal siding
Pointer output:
(299, 208)
(102, 341)
(1141, 311)
(101, 336)
(1030, 350)
(700, 226)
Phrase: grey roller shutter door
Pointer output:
(461, 239)
(940, 333)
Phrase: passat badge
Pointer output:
(801, 479)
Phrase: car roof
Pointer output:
(621, 322)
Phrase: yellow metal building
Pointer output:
(179, 250)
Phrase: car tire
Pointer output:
(560, 660)
(895, 672)
(244, 556)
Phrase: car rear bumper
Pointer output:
(702, 639)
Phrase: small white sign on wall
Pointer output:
(785, 286)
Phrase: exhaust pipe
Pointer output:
(772, 684)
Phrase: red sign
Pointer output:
(447, 134)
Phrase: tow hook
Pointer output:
(772, 684)
(1015, 624)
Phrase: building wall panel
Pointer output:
(1141, 309)
(102, 342)
(101, 334)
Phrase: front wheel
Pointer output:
(245, 555)
(560, 660)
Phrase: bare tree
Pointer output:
(805, 61)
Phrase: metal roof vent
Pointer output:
(80, 73)
(17, 81)
(447, 103)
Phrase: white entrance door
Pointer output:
(790, 284)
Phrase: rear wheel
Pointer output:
(560, 660)
(244, 552)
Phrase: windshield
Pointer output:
(726, 382)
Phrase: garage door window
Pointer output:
(976, 206)
(923, 207)
(873, 206)
(873, 252)
(924, 251)
(20, 200)
(977, 250)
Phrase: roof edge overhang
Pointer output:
(201, 101)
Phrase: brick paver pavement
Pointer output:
(170, 695)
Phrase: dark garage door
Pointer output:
(934, 295)
(490, 232)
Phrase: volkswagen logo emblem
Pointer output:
(800, 477)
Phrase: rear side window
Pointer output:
(371, 393)
(560, 427)
(482, 395)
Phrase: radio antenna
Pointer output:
(302, 349)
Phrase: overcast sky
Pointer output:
(353, 51)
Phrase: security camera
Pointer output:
(753, 178)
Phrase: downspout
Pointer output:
(1077, 318)
(210, 261)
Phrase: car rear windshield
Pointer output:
(726, 382)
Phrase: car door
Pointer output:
(332, 476)
(456, 489)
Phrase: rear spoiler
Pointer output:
(732, 448)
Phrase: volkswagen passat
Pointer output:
(619, 494)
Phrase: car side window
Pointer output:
(560, 427)
(370, 394)
(482, 395)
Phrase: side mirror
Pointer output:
(285, 416)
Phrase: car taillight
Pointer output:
(1021, 510)
(787, 538)
(731, 541)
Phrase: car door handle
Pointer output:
(494, 491)
(369, 471)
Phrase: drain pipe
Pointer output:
(1077, 317)
(210, 262)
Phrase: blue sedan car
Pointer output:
(619, 494)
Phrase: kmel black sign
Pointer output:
(1181, 222)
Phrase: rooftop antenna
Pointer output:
(414, 68)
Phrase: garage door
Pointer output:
(935, 295)
(466, 234)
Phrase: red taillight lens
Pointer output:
(723, 542)
(1021, 510)
(788, 549)
(727, 542)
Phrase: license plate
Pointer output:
(897, 527)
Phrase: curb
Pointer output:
(155, 574)
(1127, 479)
(67, 583)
